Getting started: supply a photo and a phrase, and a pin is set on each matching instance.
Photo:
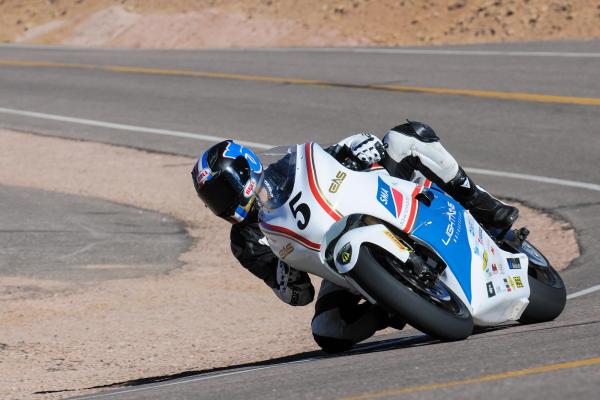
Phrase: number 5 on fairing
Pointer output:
(302, 209)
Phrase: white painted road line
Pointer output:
(431, 52)
(212, 138)
(583, 292)
(479, 53)
(124, 127)
(536, 178)
(366, 50)
(198, 379)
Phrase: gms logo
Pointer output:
(390, 198)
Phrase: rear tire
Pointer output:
(548, 293)
(399, 299)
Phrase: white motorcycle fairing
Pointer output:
(492, 283)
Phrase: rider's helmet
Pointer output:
(226, 178)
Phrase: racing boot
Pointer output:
(487, 210)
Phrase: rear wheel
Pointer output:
(433, 309)
(548, 293)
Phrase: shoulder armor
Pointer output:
(419, 130)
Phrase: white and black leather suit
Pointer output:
(342, 318)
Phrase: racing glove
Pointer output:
(366, 147)
(293, 286)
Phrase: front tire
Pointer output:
(452, 322)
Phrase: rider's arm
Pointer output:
(252, 251)
(255, 256)
(358, 152)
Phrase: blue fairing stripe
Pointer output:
(442, 225)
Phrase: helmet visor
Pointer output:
(221, 194)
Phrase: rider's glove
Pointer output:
(293, 286)
(366, 147)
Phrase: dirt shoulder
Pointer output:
(283, 23)
(210, 313)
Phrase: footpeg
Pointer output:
(521, 234)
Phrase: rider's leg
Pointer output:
(341, 321)
(415, 146)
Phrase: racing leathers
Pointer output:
(410, 151)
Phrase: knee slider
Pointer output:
(419, 130)
(332, 345)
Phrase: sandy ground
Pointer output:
(273, 23)
(209, 313)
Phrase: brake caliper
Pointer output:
(422, 270)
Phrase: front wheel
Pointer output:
(434, 310)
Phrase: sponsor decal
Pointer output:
(451, 213)
(514, 263)
(494, 268)
(390, 198)
(480, 235)
(204, 175)
(493, 250)
(337, 182)
(249, 188)
(511, 282)
(508, 288)
(471, 227)
(490, 289)
(345, 254)
(346, 257)
(384, 196)
(395, 240)
(286, 251)
(476, 250)
(485, 266)
(518, 281)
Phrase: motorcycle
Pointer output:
(408, 247)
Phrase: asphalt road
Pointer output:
(73, 238)
(483, 129)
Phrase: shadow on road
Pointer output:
(383, 344)
(369, 347)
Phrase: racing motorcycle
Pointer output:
(406, 246)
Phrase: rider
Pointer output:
(226, 178)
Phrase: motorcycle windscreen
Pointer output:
(278, 182)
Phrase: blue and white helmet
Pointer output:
(226, 178)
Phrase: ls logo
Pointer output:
(235, 150)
